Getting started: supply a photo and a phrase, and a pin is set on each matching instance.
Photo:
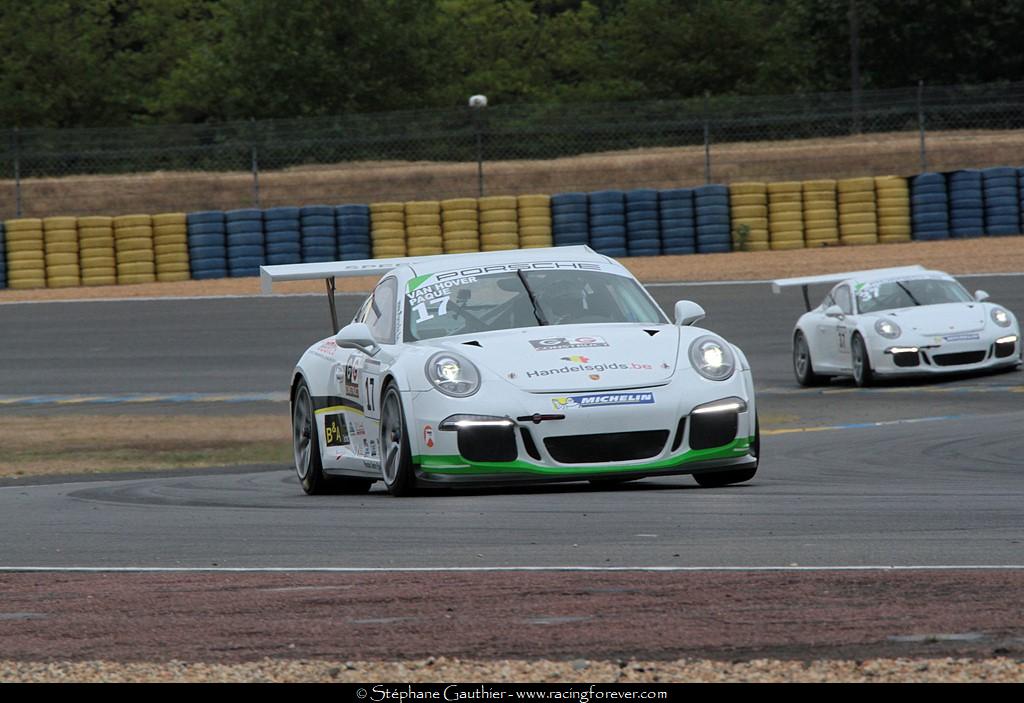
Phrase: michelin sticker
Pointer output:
(605, 400)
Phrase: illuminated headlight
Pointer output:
(1000, 317)
(453, 375)
(888, 329)
(712, 358)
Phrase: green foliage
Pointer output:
(120, 62)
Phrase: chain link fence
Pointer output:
(508, 149)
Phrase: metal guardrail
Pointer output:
(432, 154)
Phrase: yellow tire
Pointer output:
(820, 199)
(171, 241)
(462, 251)
(33, 236)
(165, 260)
(62, 270)
(893, 238)
(96, 242)
(785, 198)
(460, 226)
(459, 216)
(497, 202)
(61, 259)
(429, 220)
(100, 280)
(857, 218)
(173, 267)
(165, 219)
(749, 211)
(784, 209)
(172, 276)
(127, 279)
(26, 283)
(63, 281)
(862, 230)
(388, 235)
(524, 212)
(786, 218)
(535, 231)
(848, 185)
(425, 251)
(850, 208)
(857, 196)
(890, 208)
(491, 240)
(458, 204)
(60, 235)
(19, 257)
(132, 221)
(422, 207)
(778, 245)
(534, 200)
(92, 221)
(139, 232)
(424, 242)
(498, 247)
(760, 200)
(132, 268)
(888, 221)
(135, 244)
(498, 228)
(169, 249)
(751, 223)
(535, 222)
(786, 236)
(858, 239)
(748, 188)
(384, 251)
(61, 248)
(488, 216)
(386, 208)
(170, 231)
(378, 219)
(816, 243)
(461, 245)
(94, 232)
(822, 185)
(753, 246)
(28, 224)
(786, 231)
(534, 240)
(135, 256)
(60, 223)
(98, 262)
(417, 231)
(22, 272)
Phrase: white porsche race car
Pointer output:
(897, 322)
(526, 365)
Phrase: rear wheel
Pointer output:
(396, 457)
(803, 369)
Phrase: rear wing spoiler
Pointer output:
(805, 281)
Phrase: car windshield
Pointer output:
(509, 300)
(889, 295)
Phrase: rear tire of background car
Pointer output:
(725, 478)
(396, 458)
(863, 376)
(803, 369)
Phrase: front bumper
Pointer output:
(523, 436)
(921, 356)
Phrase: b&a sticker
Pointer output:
(428, 436)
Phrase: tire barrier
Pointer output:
(207, 244)
(858, 218)
(282, 236)
(711, 214)
(387, 230)
(96, 251)
(352, 222)
(133, 247)
(533, 215)
(748, 211)
(60, 241)
(423, 228)
(892, 197)
(966, 204)
(243, 236)
(170, 246)
(786, 215)
(607, 215)
(26, 253)
(1002, 201)
(499, 228)
(3, 258)
(676, 220)
(821, 213)
(460, 225)
(570, 221)
(643, 232)
(929, 207)
(318, 235)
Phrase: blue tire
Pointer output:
(327, 232)
(309, 253)
(928, 179)
(316, 211)
(245, 240)
(709, 211)
(243, 215)
(204, 217)
(718, 248)
(607, 221)
(598, 197)
(281, 213)
(675, 195)
(200, 253)
(564, 210)
(605, 242)
(644, 252)
(211, 263)
(247, 272)
(668, 233)
(317, 222)
(1011, 193)
(678, 249)
(353, 222)
(360, 210)
(711, 190)
(206, 240)
(599, 209)
(568, 199)
(929, 199)
(569, 219)
(278, 259)
(210, 273)
(642, 195)
(283, 248)
(235, 262)
(244, 227)
(999, 172)
(1002, 231)
(281, 226)
(281, 237)
(930, 217)
(209, 228)
(245, 252)
(608, 231)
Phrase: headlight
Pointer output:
(888, 329)
(712, 358)
(452, 374)
(1000, 317)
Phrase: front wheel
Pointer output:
(306, 443)
(863, 376)
(396, 458)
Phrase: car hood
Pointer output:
(940, 320)
(575, 357)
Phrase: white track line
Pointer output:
(451, 569)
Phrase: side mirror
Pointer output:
(356, 336)
(980, 295)
(834, 311)
(687, 312)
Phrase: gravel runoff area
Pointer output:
(956, 256)
(443, 670)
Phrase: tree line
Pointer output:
(71, 63)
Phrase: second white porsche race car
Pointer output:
(896, 322)
(526, 365)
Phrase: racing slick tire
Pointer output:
(396, 458)
(863, 376)
(725, 478)
(803, 369)
(306, 446)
